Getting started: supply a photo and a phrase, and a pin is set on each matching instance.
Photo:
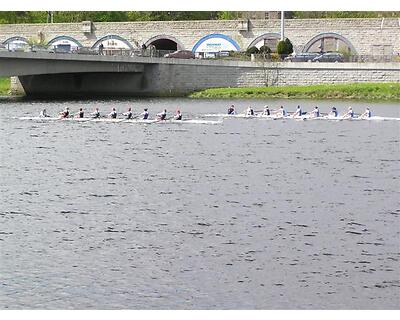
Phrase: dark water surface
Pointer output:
(248, 214)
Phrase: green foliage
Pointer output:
(5, 85)
(265, 49)
(355, 91)
(281, 47)
(252, 50)
(289, 46)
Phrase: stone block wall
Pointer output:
(364, 34)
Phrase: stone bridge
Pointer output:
(75, 75)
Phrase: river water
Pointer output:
(247, 214)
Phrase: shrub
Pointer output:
(289, 46)
(252, 50)
(265, 49)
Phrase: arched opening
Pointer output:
(329, 42)
(112, 43)
(64, 44)
(16, 43)
(164, 42)
(268, 39)
(214, 44)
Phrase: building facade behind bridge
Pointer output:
(375, 37)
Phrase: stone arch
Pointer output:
(232, 43)
(67, 38)
(165, 42)
(329, 35)
(112, 37)
(268, 35)
(14, 43)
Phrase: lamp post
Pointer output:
(282, 25)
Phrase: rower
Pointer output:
(266, 111)
(349, 113)
(298, 112)
(96, 113)
(367, 114)
(113, 114)
(333, 112)
(315, 112)
(281, 111)
(128, 114)
(178, 115)
(231, 109)
(162, 115)
(65, 113)
(43, 114)
(80, 113)
(249, 111)
(145, 114)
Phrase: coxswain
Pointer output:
(162, 115)
(298, 112)
(231, 109)
(349, 113)
(249, 111)
(266, 111)
(333, 112)
(315, 112)
(43, 114)
(128, 114)
(145, 114)
(65, 113)
(113, 114)
(96, 113)
(367, 114)
(178, 115)
(80, 113)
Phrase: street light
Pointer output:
(282, 25)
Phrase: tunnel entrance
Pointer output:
(164, 44)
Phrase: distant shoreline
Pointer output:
(351, 91)
(5, 86)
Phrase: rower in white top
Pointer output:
(367, 114)
(298, 112)
(314, 113)
(349, 114)
(178, 115)
(96, 113)
(113, 114)
(249, 112)
(145, 114)
(43, 114)
(128, 114)
(281, 112)
(162, 115)
(333, 113)
(266, 111)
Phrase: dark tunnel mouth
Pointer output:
(165, 44)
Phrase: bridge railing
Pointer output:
(232, 55)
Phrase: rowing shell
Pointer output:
(303, 117)
(170, 121)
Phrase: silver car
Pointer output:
(302, 57)
(329, 57)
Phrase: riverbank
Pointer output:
(354, 91)
(5, 86)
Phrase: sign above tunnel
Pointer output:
(113, 43)
(215, 43)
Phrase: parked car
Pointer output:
(302, 57)
(180, 54)
(329, 57)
